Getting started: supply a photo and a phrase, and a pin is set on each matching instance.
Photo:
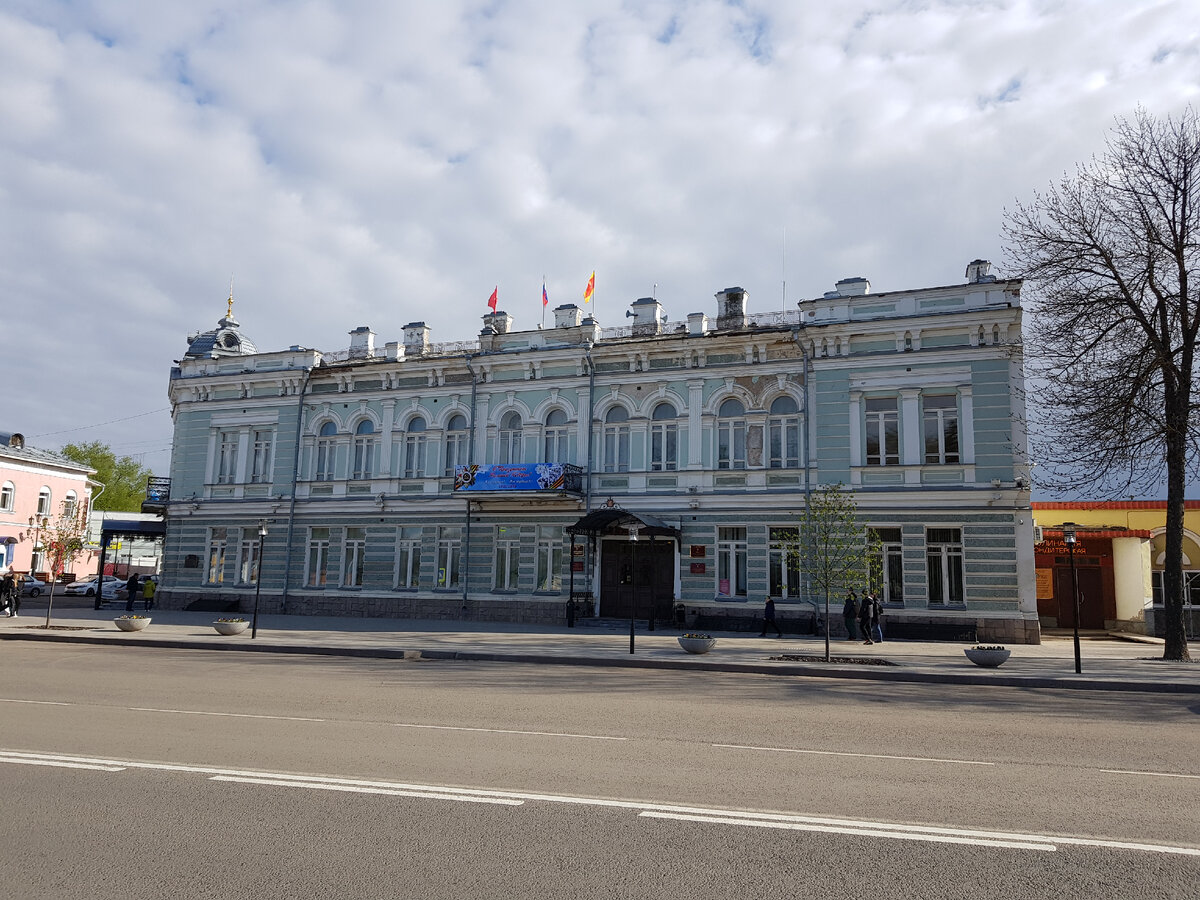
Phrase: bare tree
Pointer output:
(1111, 258)
(838, 551)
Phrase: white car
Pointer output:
(33, 586)
(87, 587)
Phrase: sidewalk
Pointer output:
(1110, 664)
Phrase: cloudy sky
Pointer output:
(365, 162)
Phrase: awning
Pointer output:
(7, 540)
(613, 519)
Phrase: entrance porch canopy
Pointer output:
(611, 519)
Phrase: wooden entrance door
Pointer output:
(1091, 597)
(634, 575)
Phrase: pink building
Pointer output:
(36, 486)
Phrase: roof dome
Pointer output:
(226, 339)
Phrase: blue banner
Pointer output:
(517, 477)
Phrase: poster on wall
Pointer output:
(1045, 584)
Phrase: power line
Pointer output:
(100, 424)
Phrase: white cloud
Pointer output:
(357, 163)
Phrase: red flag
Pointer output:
(545, 299)
(587, 294)
(492, 299)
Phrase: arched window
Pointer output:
(364, 450)
(783, 430)
(8, 494)
(664, 439)
(731, 435)
(326, 452)
(43, 507)
(509, 449)
(414, 448)
(616, 440)
(456, 443)
(554, 437)
(69, 503)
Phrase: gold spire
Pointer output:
(229, 312)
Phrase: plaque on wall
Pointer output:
(697, 568)
(698, 551)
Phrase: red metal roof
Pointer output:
(1111, 504)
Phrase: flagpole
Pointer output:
(543, 300)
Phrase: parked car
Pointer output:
(33, 586)
(87, 588)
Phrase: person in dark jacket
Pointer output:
(865, 613)
(134, 590)
(876, 612)
(769, 619)
(850, 616)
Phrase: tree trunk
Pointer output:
(1176, 647)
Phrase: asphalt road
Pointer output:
(136, 772)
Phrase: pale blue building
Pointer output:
(655, 469)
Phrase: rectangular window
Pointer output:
(883, 432)
(414, 455)
(731, 444)
(784, 442)
(508, 555)
(456, 450)
(326, 453)
(364, 457)
(218, 539)
(664, 447)
(887, 572)
(317, 565)
(227, 457)
(449, 557)
(261, 457)
(7, 492)
(616, 448)
(549, 558)
(731, 562)
(944, 565)
(941, 429)
(555, 444)
(248, 551)
(1191, 588)
(354, 552)
(783, 563)
(408, 557)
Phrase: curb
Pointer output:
(896, 674)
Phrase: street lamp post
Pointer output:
(1069, 540)
(633, 536)
(262, 540)
(37, 523)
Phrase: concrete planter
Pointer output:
(126, 624)
(988, 658)
(697, 645)
(230, 627)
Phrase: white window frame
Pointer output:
(218, 543)
(506, 571)
(8, 496)
(325, 453)
(508, 444)
(882, 427)
(456, 444)
(316, 558)
(447, 574)
(363, 456)
(45, 496)
(70, 504)
(944, 567)
(940, 429)
(555, 435)
(262, 455)
(414, 448)
(732, 558)
(615, 440)
(890, 562)
(783, 563)
(550, 557)
(731, 435)
(227, 453)
(248, 551)
(664, 438)
(407, 574)
(783, 436)
(354, 557)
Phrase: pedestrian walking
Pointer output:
(850, 616)
(769, 619)
(14, 606)
(7, 592)
(876, 618)
(864, 617)
(132, 589)
(148, 587)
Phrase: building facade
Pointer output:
(1118, 564)
(471, 480)
(37, 487)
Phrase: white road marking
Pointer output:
(1151, 774)
(870, 832)
(38, 702)
(201, 712)
(61, 765)
(894, 830)
(333, 785)
(933, 759)
(589, 737)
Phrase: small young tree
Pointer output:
(838, 550)
(63, 544)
